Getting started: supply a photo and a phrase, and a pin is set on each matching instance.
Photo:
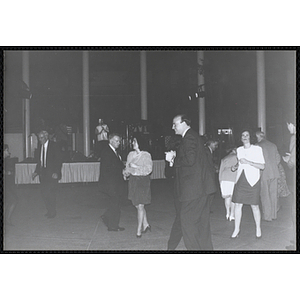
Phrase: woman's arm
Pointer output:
(252, 163)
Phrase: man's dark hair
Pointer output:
(142, 142)
(185, 118)
(113, 134)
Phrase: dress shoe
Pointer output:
(148, 228)
(116, 229)
(231, 218)
(105, 220)
(138, 235)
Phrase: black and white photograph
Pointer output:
(154, 149)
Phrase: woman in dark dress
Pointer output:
(247, 188)
(138, 168)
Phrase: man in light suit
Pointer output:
(194, 183)
(269, 178)
(111, 182)
(48, 169)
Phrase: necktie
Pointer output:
(43, 157)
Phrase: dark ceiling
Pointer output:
(230, 84)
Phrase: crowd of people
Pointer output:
(251, 174)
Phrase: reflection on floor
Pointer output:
(78, 226)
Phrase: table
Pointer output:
(77, 172)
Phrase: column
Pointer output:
(26, 104)
(143, 63)
(86, 103)
(201, 101)
(261, 90)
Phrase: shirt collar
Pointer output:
(185, 132)
(112, 148)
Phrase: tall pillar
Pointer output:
(26, 104)
(143, 63)
(261, 90)
(86, 103)
(201, 101)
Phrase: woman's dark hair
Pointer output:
(251, 133)
(142, 142)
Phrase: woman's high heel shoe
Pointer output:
(231, 218)
(148, 228)
(235, 237)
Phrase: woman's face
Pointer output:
(245, 137)
(135, 144)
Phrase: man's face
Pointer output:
(43, 137)
(291, 127)
(214, 146)
(115, 142)
(178, 126)
(258, 137)
(6, 153)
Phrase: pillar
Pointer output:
(86, 103)
(143, 65)
(26, 104)
(201, 101)
(261, 90)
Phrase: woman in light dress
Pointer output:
(138, 169)
(227, 180)
(247, 188)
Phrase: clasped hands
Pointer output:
(126, 172)
(242, 161)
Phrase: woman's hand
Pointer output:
(244, 161)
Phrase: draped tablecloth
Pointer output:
(77, 172)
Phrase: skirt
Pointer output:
(139, 191)
(245, 193)
(226, 188)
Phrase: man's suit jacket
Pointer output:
(272, 159)
(111, 177)
(192, 171)
(53, 161)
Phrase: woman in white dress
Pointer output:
(247, 188)
(227, 180)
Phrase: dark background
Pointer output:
(230, 85)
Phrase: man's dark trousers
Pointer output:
(195, 224)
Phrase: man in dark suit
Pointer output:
(48, 169)
(269, 178)
(194, 183)
(111, 182)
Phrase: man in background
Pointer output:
(269, 178)
(111, 182)
(49, 171)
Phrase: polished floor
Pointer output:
(78, 226)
